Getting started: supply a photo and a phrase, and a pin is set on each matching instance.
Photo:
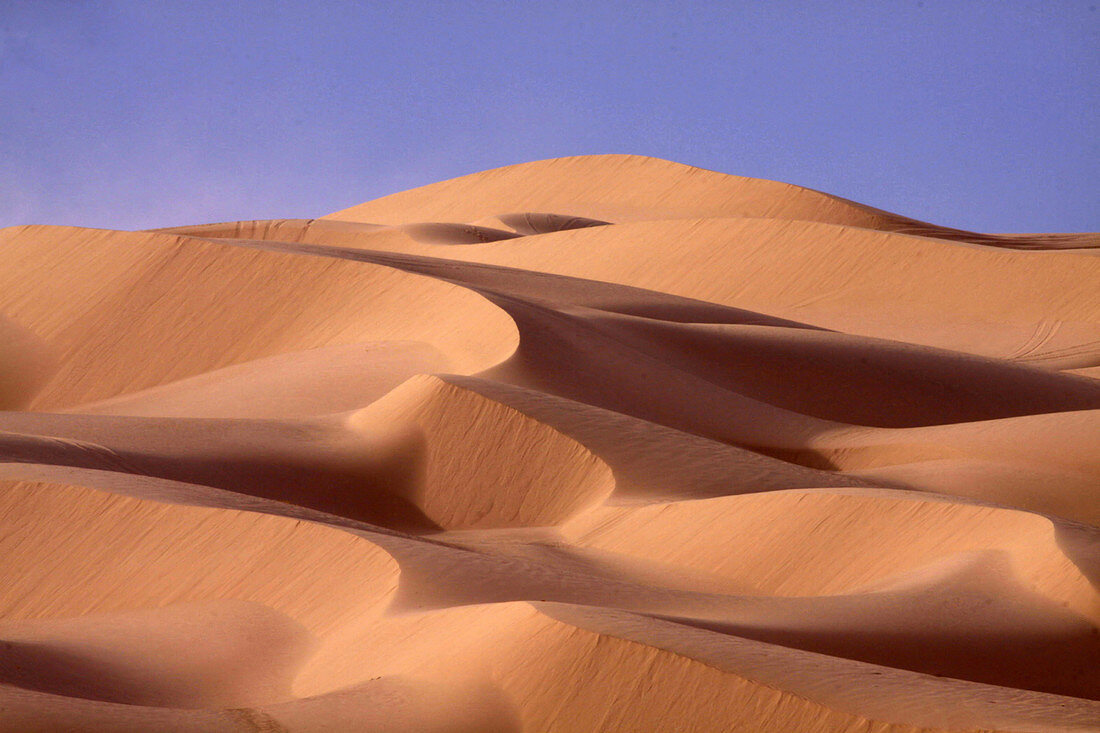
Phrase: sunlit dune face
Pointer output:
(593, 443)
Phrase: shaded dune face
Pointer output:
(594, 443)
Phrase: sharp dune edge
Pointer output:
(595, 443)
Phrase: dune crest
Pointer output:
(593, 443)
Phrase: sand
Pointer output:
(594, 443)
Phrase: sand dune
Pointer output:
(595, 443)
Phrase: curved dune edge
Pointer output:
(594, 443)
(801, 270)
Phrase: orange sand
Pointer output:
(595, 443)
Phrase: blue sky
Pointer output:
(979, 115)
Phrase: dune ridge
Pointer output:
(594, 443)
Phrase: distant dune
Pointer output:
(598, 443)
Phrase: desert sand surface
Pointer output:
(597, 443)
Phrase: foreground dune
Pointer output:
(596, 443)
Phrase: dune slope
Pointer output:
(595, 443)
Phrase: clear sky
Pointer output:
(979, 115)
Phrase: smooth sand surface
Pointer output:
(595, 443)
